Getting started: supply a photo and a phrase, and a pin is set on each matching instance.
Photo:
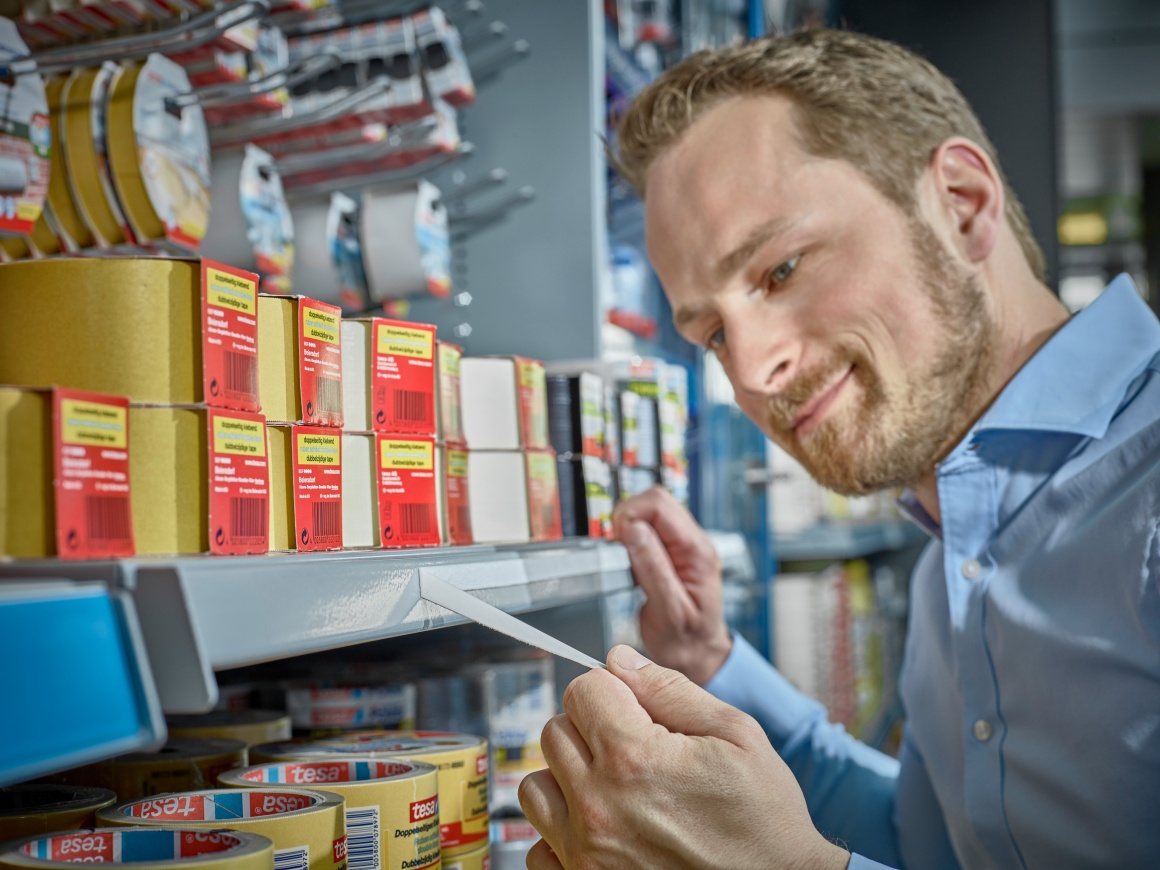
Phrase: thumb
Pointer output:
(670, 698)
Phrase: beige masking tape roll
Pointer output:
(181, 765)
(27, 496)
(462, 763)
(74, 232)
(308, 827)
(249, 726)
(142, 848)
(82, 120)
(126, 326)
(392, 806)
(480, 859)
(35, 809)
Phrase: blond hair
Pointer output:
(869, 102)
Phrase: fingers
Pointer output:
(565, 751)
(654, 572)
(541, 857)
(658, 508)
(544, 805)
(604, 711)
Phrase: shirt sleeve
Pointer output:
(849, 787)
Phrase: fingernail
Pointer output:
(629, 659)
(634, 534)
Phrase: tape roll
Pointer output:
(249, 726)
(307, 827)
(42, 808)
(71, 227)
(392, 806)
(462, 763)
(159, 157)
(182, 765)
(82, 122)
(478, 859)
(323, 712)
(142, 849)
(126, 326)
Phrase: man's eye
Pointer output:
(716, 340)
(782, 273)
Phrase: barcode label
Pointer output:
(327, 519)
(416, 519)
(413, 406)
(329, 395)
(240, 373)
(292, 859)
(248, 517)
(362, 838)
(107, 518)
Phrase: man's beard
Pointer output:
(888, 440)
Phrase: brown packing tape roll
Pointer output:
(42, 808)
(142, 848)
(125, 326)
(79, 101)
(461, 759)
(169, 467)
(27, 523)
(282, 526)
(480, 859)
(182, 765)
(392, 806)
(250, 726)
(308, 827)
(61, 205)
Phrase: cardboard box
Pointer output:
(389, 376)
(64, 474)
(456, 484)
(360, 497)
(449, 427)
(504, 403)
(165, 331)
(305, 487)
(585, 496)
(514, 496)
(300, 360)
(410, 495)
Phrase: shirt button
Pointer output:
(971, 569)
(982, 730)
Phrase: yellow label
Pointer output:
(410, 455)
(449, 360)
(92, 424)
(240, 437)
(457, 463)
(316, 449)
(542, 466)
(320, 325)
(230, 291)
(401, 341)
(531, 374)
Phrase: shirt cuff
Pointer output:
(751, 684)
(857, 862)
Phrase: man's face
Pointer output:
(851, 336)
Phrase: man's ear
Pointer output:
(970, 196)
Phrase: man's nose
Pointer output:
(763, 359)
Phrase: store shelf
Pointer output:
(77, 685)
(736, 560)
(845, 540)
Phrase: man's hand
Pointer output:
(682, 623)
(646, 770)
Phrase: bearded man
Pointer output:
(828, 217)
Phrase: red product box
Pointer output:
(408, 488)
(229, 336)
(403, 377)
(239, 470)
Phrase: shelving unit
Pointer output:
(840, 541)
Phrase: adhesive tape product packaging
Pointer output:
(182, 765)
(249, 726)
(320, 712)
(25, 141)
(159, 154)
(42, 808)
(150, 848)
(307, 827)
(74, 233)
(462, 763)
(392, 806)
(479, 859)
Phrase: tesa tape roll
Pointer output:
(74, 233)
(249, 726)
(308, 827)
(143, 849)
(480, 859)
(462, 763)
(392, 806)
(41, 808)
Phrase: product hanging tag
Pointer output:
(320, 362)
(230, 336)
(239, 477)
(318, 488)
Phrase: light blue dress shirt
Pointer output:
(1031, 680)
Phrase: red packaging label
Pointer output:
(229, 311)
(486, 862)
(451, 836)
(458, 499)
(425, 809)
(403, 377)
(317, 487)
(544, 496)
(275, 803)
(205, 843)
(320, 362)
(481, 765)
(175, 808)
(339, 850)
(95, 847)
(533, 393)
(408, 506)
(450, 402)
(90, 455)
(239, 478)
